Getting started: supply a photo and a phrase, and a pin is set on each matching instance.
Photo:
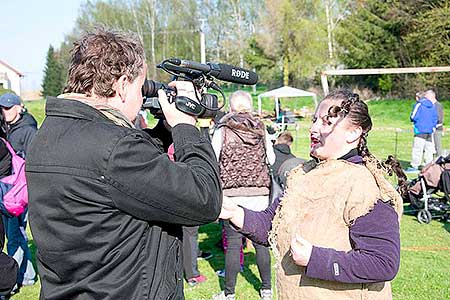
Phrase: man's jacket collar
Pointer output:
(72, 109)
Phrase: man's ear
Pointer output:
(121, 86)
(354, 134)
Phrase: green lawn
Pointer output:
(423, 273)
(425, 264)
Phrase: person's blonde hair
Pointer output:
(241, 101)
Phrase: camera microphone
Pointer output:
(223, 72)
(236, 75)
(202, 77)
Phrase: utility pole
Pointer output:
(202, 41)
(328, 7)
(253, 30)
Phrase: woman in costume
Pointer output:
(335, 231)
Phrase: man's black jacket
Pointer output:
(106, 205)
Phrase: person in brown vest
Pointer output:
(243, 151)
(335, 231)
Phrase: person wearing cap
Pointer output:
(21, 128)
(9, 268)
(21, 125)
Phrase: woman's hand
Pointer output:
(301, 251)
(230, 211)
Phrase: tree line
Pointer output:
(288, 42)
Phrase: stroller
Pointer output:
(429, 193)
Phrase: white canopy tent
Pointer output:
(284, 92)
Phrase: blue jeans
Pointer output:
(17, 245)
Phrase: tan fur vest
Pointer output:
(320, 206)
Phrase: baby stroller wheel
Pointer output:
(424, 216)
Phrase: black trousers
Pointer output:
(190, 251)
(232, 264)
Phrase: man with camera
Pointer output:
(106, 203)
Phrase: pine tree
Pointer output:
(53, 82)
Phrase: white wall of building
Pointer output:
(12, 80)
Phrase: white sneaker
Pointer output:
(221, 296)
(266, 294)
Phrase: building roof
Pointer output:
(287, 91)
(11, 68)
(284, 92)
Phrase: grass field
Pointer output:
(425, 262)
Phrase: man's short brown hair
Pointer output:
(100, 58)
(285, 138)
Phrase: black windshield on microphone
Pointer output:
(223, 72)
(236, 75)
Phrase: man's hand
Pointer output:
(301, 251)
(172, 114)
(230, 211)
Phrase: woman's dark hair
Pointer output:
(357, 112)
(392, 165)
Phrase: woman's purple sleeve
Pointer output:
(375, 256)
(257, 224)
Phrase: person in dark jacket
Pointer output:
(9, 268)
(107, 205)
(22, 128)
(21, 125)
(282, 149)
(285, 161)
(439, 132)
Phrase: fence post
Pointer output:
(397, 130)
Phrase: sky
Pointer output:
(28, 28)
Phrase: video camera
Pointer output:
(202, 77)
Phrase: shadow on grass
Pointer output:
(446, 225)
(437, 216)
(212, 243)
(405, 164)
(250, 277)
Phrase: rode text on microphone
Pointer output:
(202, 77)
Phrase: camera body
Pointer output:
(207, 108)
